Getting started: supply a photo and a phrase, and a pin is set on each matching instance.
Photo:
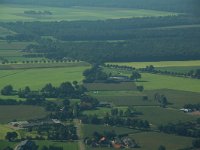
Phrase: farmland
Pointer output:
(16, 13)
(8, 113)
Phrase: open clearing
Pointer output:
(8, 113)
(160, 64)
(16, 13)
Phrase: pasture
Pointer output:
(8, 113)
(10, 13)
(159, 64)
(152, 140)
(155, 81)
(3, 130)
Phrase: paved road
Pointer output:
(79, 133)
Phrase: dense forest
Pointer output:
(135, 39)
(189, 6)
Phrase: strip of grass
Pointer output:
(159, 64)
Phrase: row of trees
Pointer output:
(190, 129)
(116, 121)
(66, 89)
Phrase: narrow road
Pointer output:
(80, 135)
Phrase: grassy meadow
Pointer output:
(16, 13)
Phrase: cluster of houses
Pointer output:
(118, 143)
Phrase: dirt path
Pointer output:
(80, 135)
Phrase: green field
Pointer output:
(20, 112)
(155, 81)
(16, 13)
(160, 64)
(37, 78)
(152, 140)
(123, 98)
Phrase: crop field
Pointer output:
(8, 113)
(160, 64)
(37, 78)
(155, 81)
(152, 140)
(157, 115)
(111, 86)
(16, 13)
